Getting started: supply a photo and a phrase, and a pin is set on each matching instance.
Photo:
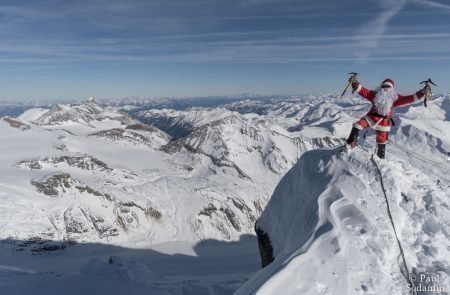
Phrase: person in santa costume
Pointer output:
(384, 99)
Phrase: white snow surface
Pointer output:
(85, 173)
(92, 199)
(328, 223)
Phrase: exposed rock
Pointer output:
(82, 162)
(62, 147)
(136, 135)
(40, 245)
(232, 218)
(84, 113)
(206, 140)
(207, 211)
(16, 123)
(153, 213)
(142, 127)
(54, 184)
(149, 211)
(265, 247)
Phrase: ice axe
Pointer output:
(428, 93)
(350, 81)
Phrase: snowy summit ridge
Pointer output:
(326, 229)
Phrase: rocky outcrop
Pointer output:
(83, 113)
(136, 134)
(53, 185)
(265, 247)
(81, 162)
(16, 123)
(92, 212)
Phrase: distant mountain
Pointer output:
(111, 177)
(82, 113)
(14, 109)
(136, 175)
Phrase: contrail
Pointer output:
(432, 4)
(370, 35)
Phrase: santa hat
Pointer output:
(387, 83)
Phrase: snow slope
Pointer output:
(212, 268)
(330, 233)
(92, 176)
(95, 174)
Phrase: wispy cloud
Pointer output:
(372, 33)
(273, 48)
(432, 4)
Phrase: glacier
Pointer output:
(143, 197)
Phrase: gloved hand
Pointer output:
(352, 79)
(426, 89)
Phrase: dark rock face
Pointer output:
(16, 123)
(205, 136)
(232, 218)
(82, 162)
(142, 127)
(39, 245)
(265, 247)
(173, 126)
(51, 185)
(80, 221)
(209, 210)
(85, 162)
(136, 134)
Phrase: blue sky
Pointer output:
(54, 49)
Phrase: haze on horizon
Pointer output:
(54, 49)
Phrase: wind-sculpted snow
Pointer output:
(330, 233)
(421, 136)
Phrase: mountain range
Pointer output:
(136, 174)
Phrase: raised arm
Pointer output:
(407, 99)
(364, 92)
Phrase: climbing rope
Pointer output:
(409, 280)
(418, 156)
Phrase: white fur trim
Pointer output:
(376, 126)
(358, 89)
(382, 128)
(388, 84)
(357, 126)
(382, 142)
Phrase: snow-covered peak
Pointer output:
(248, 144)
(32, 114)
(83, 113)
(437, 108)
(180, 123)
(326, 229)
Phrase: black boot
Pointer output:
(351, 140)
(381, 151)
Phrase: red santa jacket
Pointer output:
(377, 121)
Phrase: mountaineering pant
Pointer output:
(382, 136)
